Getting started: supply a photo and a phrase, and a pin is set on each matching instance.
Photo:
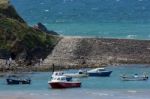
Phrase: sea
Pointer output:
(92, 87)
(127, 19)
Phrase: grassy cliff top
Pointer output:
(12, 31)
(4, 3)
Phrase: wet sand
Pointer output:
(77, 94)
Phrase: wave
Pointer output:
(46, 10)
(131, 36)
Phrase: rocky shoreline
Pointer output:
(74, 53)
(36, 48)
(97, 51)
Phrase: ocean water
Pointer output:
(91, 18)
(92, 87)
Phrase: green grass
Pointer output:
(12, 31)
(16, 37)
(4, 3)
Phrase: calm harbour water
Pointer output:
(92, 87)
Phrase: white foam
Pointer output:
(117, 0)
(46, 10)
(132, 91)
(131, 36)
(45, 94)
(64, 1)
(78, 36)
(45, 24)
(103, 94)
(32, 94)
(140, 0)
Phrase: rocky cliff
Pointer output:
(20, 41)
(98, 51)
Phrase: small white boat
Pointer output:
(79, 74)
(57, 73)
(134, 77)
(60, 73)
(99, 72)
(63, 82)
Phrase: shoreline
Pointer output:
(49, 68)
(81, 52)
(86, 94)
(100, 37)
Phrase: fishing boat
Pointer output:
(62, 82)
(16, 79)
(79, 74)
(134, 77)
(99, 72)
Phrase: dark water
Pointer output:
(101, 18)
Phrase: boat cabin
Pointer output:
(82, 72)
(97, 70)
(60, 79)
(59, 73)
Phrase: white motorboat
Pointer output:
(79, 74)
(134, 77)
(63, 82)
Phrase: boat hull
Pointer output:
(14, 82)
(76, 75)
(57, 85)
(100, 74)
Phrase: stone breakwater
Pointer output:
(98, 51)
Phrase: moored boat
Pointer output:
(99, 72)
(134, 77)
(57, 73)
(60, 73)
(79, 74)
(15, 79)
(63, 82)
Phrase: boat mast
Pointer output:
(53, 67)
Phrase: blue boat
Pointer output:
(99, 72)
(15, 79)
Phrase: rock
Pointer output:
(97, 51)
(43, 28)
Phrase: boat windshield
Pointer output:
(101, 69)
(80, 72)
(59, 78)
(63, 78)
